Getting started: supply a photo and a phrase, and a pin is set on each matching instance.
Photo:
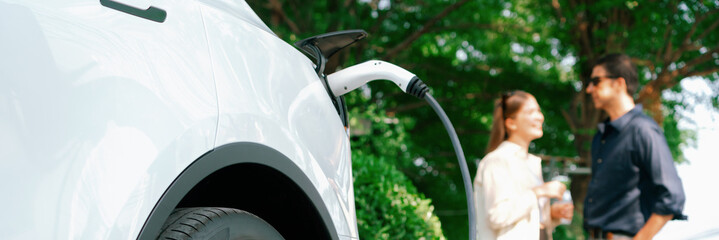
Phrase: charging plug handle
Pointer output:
(351, 78)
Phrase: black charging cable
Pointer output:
(418, 89)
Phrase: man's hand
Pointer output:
(652, 227)
(562, 210)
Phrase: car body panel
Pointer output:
(289, 110)
(91, 100)
(101, 111)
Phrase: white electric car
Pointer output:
(135, 119)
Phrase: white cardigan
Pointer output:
(507, 208)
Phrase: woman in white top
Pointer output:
(512, 200)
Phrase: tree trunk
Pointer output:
(584, 133)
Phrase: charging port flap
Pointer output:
(329, 43)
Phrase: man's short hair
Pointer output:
(620, 65)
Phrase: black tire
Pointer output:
(216, 224)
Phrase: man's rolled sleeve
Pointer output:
(665, 187)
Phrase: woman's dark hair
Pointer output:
(620, 65)
(505, 107)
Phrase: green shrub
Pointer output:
(388, 205)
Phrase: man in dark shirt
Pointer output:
(635, 188)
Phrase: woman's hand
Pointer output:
(553, 189)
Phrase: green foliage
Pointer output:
(676, 138)
(388, 206)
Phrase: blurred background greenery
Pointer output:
(468, 52)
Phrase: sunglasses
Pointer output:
(595, 80)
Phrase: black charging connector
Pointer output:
(417, 88)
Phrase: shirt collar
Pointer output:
(622, 121)
(509, 146)
(514, 149)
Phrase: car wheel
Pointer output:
(215, 224)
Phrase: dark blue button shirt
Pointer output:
(633, 175)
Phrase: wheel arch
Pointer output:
(288, 200)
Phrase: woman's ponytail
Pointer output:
(497, 135)
(504, 107)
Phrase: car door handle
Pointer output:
(152, 13)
